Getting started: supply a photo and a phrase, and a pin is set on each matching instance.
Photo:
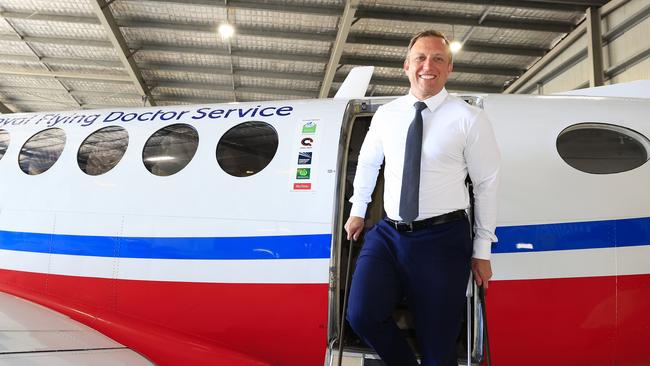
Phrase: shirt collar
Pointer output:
(431, 102)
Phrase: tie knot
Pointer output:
(419, 106)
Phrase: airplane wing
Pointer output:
(36, 336)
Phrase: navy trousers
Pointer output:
(430, 267)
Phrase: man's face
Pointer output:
(428, 65)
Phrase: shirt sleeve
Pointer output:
(483, 164)
(370, 159)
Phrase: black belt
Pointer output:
(417, 225)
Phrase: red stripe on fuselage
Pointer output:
(180, 323)
(633, 310)
(570, 321)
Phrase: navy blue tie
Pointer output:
(409, 204)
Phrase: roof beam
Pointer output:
(330, 10)
(228, 87)
(594, 48)
(53, 104)
(403, 82)
(304, 57)
(585, 3)
(4, 109)
(66, 75)
(174, 48)
(471, 46)
(325, 36)
(171, 98)
(335, 10)
(61, 60)
(49, 17)
(103, 12)
(57, 40)
(493, 22)
(345, 23)
(265, 74)
(534, 4)
(458, 67)
(75, 92)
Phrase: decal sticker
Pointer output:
(302, 186)
(304, 158)
(306, 150)
(303, 173)
(306, 142)
(309, 128)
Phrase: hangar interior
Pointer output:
(84, 54)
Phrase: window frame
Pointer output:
(267, 125)
(83, 143)
(632, 134)
(58, 157)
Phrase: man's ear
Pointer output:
(451, 67)
(406, 65)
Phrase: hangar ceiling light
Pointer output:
(455, 46)
(226, 30)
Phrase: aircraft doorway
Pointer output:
(355, 351)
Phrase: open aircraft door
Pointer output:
(355, 126)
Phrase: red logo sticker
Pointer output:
(302, 186)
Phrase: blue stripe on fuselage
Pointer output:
(544, 237)
(574, 235)
(259, 247)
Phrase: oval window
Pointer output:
(601, 148)
(102, 150)
(247, 148)
(41, 151)
(4, 142)
(170, 149)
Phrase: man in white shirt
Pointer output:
(426, 258)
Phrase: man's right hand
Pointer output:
(354, 227)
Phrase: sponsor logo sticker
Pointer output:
(307, 141)
(309, 128)
(304, 158)
(303, 173)
(302, 186)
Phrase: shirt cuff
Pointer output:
(358, 209)
(482, 248)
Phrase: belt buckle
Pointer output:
(407, 225)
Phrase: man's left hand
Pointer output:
(482, 271)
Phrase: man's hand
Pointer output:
(482, 271)
(354, 227)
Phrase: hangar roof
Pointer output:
(74, 54)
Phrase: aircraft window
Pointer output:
(41, 151)
(4, 142)
(102, 150)
(601, 148)
(170, 149)
(247, 148)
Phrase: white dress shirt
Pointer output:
(457, 140)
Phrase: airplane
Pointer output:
(213, 234)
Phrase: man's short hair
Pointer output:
(429, 33)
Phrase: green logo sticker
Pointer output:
(303, 173)
(309, 127)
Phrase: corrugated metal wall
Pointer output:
(625, 29)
